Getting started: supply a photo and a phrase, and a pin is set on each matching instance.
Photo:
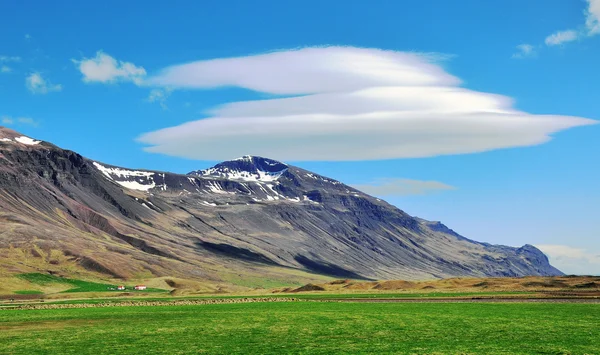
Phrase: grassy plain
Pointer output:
(307, 327)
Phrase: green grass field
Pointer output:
(307, 327)
(28, 292)
(78, 285)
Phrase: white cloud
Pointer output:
(401, 187)
(358, 104)
(561, 37)
(38, 85)
(8, 120)
(591, 27)
(28, 121)
(309, 70)
(105, 69)
(160, 96)
(592, 17)
(524, 51)
(6, 58)
(572, 260)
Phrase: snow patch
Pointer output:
(134, 185)
(321, 178)
(277, 195)
(231, 174)
(215, 187)
(27, 140)
(133, 175)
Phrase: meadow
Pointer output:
(307, 327)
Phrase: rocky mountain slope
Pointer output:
(242, 219)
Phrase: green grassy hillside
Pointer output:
(76, 285)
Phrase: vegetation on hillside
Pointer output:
(77, 285)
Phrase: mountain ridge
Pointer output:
(251, 216)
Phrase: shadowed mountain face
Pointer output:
(250, 217)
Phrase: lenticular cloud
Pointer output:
(350, 104)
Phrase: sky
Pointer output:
(478, 114)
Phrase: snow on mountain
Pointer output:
(7, 135)
(27, 140)
(131, 179)
(246, 168)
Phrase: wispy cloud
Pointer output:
(8, 120)
(103, 68)
(6, 58)
(573, 260)
(38, 85)
(525, 51)
(590, 28)
(592, 17)
(160, 96)
(401, 187)
(561, 37)
(28, 121)
(349, 104)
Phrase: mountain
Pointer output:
(246, 219)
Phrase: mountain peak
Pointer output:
(254, 159)
(246, 168)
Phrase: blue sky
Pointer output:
(97, 77)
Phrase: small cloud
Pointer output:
(105, 69)
(561, 37)
(160, 96)
(592, 17)
(6, 58)
(590, 28)
(572, 260)
(402, 187)
(27, 37)
(28, 121)
(5, 69)
(38, 85)
(525, 51)
(8, 120)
